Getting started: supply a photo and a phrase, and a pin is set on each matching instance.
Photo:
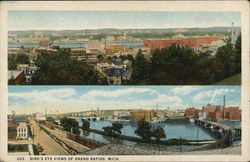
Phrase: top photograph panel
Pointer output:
(124, 48)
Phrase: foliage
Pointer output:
(117, 127)
(76, 130)
(141, 69)
(60, 69)
(11, 62)
(100, 57)
(144, 130)
(114, 129)
(158, 133)
(22, 59)
(69, 124)
(15, 59)
(85, 124)
(177, 65)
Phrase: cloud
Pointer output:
(66, 99)
(184, 90)
(210, 95)
(46, 96)
(116, 93)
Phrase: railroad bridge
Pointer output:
(228, 134)
(217, 127)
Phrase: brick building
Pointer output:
(215, 112)
(154, 44)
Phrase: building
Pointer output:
(115, 49)
(190, 112)
(12, 131)
(233, 113)
(22, 130)
(115, 75)
(154, 44)
(77, 51)
(139, 115)
(16, 76)
(121, 114)
(40, 116)
(95, 46)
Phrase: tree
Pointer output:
(22, 59)
(100, 57)
(69, 124)
(117, 127)
(226, 55)
(65, 122)
(11, 62)
(60, 69)
(237, 49)
(76, 130)
(140, 69)
(109, 130)
(144, 130)
(114, 129)
(85, 124)
(158, 133)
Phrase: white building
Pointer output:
(202, 115)
(40, 117)
(22, 130)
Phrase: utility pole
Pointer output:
(33, 134)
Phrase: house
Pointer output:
(22, 130)
(16, 76)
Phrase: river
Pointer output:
(189, 131)
(77, 45)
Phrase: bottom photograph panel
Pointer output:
(127, 120)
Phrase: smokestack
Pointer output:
(224, 104)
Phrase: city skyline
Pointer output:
(23, 99)
(79, 20)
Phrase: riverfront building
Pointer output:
(146, 115)
(214, 112)
(154, 44)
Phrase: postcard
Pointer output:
(125, 81)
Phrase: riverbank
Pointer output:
(169, 142)
(118, 149)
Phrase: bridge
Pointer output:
(220, 128)
(225, 134)
(215, 125)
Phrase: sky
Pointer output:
(31, 99)
(77, 20)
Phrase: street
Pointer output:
(49, 145)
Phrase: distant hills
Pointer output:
(112, 30)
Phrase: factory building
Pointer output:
(154, 44)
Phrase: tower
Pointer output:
(224, 104)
